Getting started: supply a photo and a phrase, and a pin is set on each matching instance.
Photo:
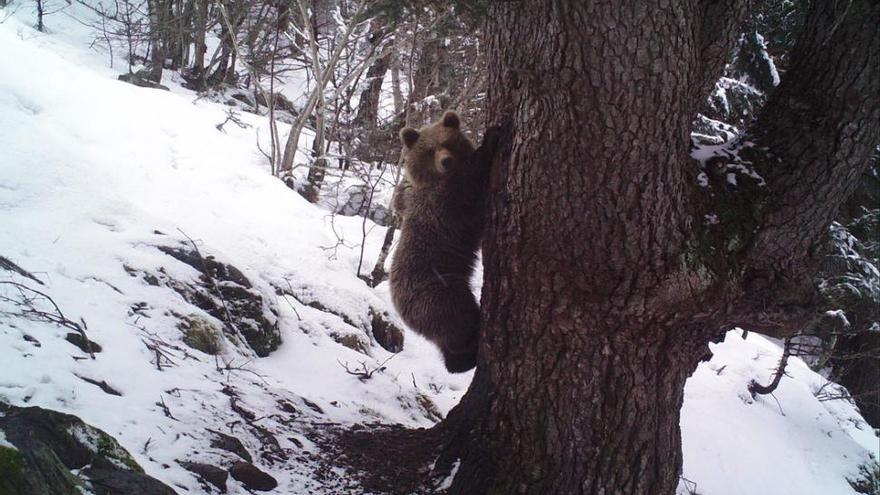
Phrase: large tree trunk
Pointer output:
(607, 269)
(584, 365)
(601, 289)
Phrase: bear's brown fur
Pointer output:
(440, 200)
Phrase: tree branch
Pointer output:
(802, 158)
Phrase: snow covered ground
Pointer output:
(96, 174)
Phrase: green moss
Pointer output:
(352, 341)
(108, 447)
(11, 463)
(201, 335)
(105, 446)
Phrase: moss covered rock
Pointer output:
(47, 445)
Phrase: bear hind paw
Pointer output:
(460, 362)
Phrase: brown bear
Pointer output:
(440, 200)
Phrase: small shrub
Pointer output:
(868, 480)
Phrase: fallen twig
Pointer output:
(26, 302)
(165, 408)
(363, 372)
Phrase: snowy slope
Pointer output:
(91, 169)
(790, 443)
(96, 174)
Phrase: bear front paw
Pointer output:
(491, 138)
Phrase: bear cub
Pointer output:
(440, 200)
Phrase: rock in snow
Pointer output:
(55, 453)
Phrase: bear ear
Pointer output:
(450, 119)
(409, 136)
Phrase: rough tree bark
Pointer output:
(603, 284)
(156, 9)
(368, 104)
(371, 140)
(811, 144)
(200, 20)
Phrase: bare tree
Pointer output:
(200, 28)
(40, 13)
(320, 70)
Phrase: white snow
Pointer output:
(92, 168)
(4, 442)
(446, 482)
(774, 73)
(789, 443)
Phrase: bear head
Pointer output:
(434, 151)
